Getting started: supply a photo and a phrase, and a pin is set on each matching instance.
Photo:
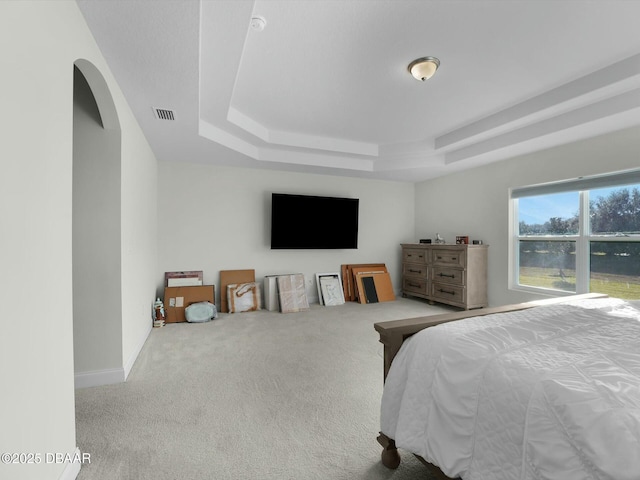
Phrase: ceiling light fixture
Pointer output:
(423, 68)
(258, 23)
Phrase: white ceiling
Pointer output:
(324, 87)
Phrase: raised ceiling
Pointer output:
(324, 86)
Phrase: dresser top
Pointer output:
(442, 245)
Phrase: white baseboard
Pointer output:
(72, 469)
(113, 375)
(99, 377)
(134, 355)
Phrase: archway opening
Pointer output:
(97, 278)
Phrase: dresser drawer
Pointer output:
(414, 285)
(414, 270)
(448, 275)
(414, 255)
(449, 257)
(447, 293)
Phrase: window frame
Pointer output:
(582, 239)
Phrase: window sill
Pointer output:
(546, 292)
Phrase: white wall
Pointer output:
(138, 230)
(39, 43)
(218, 218)
(476, 202)
(139, 241)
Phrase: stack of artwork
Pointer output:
(239, 291)
(364, 283)
(285, 293)
(367, 283)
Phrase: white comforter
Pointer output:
(546, 393)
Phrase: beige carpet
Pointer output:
(259, 395)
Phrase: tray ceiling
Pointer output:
(324, 86)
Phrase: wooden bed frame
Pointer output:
(394, 332)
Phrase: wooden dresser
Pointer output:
(446, 273)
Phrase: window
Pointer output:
(579, 236)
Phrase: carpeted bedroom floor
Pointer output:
(259, 395)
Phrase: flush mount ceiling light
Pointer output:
(423, 68)
(258, 23)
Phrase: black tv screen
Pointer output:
(312, 222)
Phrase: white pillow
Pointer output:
(200, 312)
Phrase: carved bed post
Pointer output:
(390, 456)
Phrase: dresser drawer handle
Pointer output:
(446, 291)
(415, 271)
(414, 285)
(445, 275)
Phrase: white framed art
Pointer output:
(329, 289)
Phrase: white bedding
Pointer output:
(551, 392)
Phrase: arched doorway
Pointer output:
(97, 278)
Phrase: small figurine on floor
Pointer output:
(158, 317)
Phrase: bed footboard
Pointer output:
(394, 332)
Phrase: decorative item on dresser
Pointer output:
(446, 273)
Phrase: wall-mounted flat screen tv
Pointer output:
(313, 222)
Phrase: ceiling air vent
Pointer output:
(163, 114)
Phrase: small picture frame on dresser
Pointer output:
(462, 240)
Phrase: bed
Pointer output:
(540, 390)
